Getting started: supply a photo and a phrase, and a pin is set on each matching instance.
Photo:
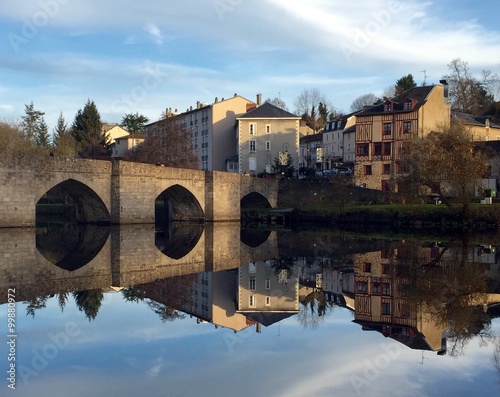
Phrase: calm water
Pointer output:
(214, 310)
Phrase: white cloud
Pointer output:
(155, 33)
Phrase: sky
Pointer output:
(129, 56)
(128, 351)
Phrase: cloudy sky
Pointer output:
(131, 56)
(128, 351)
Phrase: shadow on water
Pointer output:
(254, 237)
(70, 246)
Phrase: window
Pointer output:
(253, 145)
(407, 126)
(386, 169)
(386, 308)
(268, 145)
(367, 267)
(408, 105)
(387, 107)
(268, 128)
(376, 288)
(362, 287)
(386, 289)
(406, 332)
(387, 149)
(385, 186)
(252, 128)
(387, 128)
(368, 169)
(252, 284)
(267, 284)
(251, 301)
(362, 149)
(377, 149)
(268, 301)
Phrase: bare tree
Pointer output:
(362, 101)
(469, 94)
(278, 102)
(449, 163)
(308, 100)
(171, 146)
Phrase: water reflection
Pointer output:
(429, 296)
(70, 246)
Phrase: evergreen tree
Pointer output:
(86, 131)
(42, 137)
(134, 123)
(31, 121)
(64, 143)
(404, 84)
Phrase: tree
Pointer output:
(467, 93)
(64, 143)
(42, 138)
(89, 302)
(362, 101)
(283, 164)
(15, 147)
(134, 123)
(31, 122)
(86, 131)
(171, 147)
(306, 104)
(448, 163)
(278, 102)
(405, 83)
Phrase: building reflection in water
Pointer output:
(427, 296)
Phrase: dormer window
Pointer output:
(408, 105)
(387, 107)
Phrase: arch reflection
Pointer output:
(70, 246)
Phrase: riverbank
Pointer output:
(407, 216)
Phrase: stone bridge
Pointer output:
(121, 192)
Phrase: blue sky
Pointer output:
(129, 56)
(128, 351)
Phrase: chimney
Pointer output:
(446, 88)
(198, 104)
(216, 100)
(235, 94)
(259, 99)
(190, 108)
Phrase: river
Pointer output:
(215, 309)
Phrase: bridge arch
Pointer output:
(254, 200)
(90, 208)
(176, 203)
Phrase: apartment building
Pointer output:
(382, 129)
(311, 151)
(339, 140)
(211, 127)
(263, 133)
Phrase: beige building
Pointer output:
(123, 144)
(112, 132)
(211, 128)
(481, 127)
(262, 134)
(268, 291)
(382, 129)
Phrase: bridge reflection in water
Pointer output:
(418, 293)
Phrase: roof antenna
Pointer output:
(425, 77)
